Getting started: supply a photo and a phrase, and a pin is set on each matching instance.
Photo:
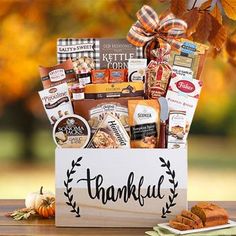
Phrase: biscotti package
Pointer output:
(94, 111)
(58, 74)
(106, 53)
(189, 59)
(110, 134)
(183, 95)
(115, 90)
(176, 129)
(144, 122)
(56, 102)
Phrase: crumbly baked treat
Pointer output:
(192, 216)
(178, 225)
(104, 139)
(186, 221)
(210, 214)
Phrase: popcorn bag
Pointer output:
(120, 119)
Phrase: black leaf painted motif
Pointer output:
(166, 210)
(67, 193)
(162, 160)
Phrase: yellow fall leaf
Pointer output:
(215, 11)
(229, 8)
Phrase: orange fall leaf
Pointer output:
(218, 34)
(229, 8)
(192, 19)
(204, 28)
(178, 7)
(215, 12)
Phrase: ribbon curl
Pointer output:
(149, 27)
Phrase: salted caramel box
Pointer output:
(106, 53)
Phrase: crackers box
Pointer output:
(94, 111)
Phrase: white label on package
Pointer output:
(57, 75)
(137, 70)
(99, 112)
(144, 115)
(183, 71)
(56, 102)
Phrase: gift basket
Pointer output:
(121, 111)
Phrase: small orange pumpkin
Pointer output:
(47, 207)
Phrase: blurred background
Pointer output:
(28, 33)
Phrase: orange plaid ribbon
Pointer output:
(149, 27)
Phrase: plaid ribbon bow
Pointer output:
(149, 27)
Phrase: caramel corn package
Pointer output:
(144, 119)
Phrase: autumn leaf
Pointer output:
(232, 61)
(229, 8)
(192, 18)
(178, 7)
(218, 34)
(231, 46)
(215, 12)
(204, 27)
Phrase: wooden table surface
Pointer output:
(46, 227)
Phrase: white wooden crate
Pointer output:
(119, 187)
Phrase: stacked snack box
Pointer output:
(120, 94)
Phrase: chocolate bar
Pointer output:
(116, 90)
